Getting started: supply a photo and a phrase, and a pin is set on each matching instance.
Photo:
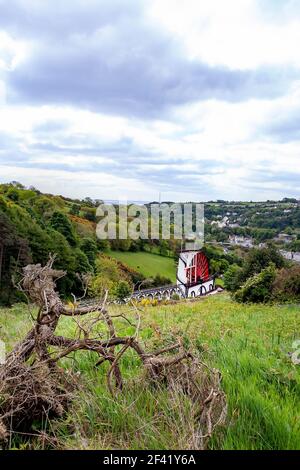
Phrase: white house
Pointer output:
(241, 241)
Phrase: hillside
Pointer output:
(257, 222)
(148, 264)
(33, 224)
(250, 346)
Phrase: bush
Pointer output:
(233, 278)
(122, 290)
(218, 266)
(149, 302)
(286, 286)
(257, 288)
(109, 276)
(259, 259)
(175, 297)
(161, 281)
(256, 261)
(99, 285)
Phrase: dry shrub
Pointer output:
(202, 385)
(34, 389)
(30, 394)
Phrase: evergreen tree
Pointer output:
(89, 247)
(62, 224)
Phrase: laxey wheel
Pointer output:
(198, 271)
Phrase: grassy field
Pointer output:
(248, 343)
(149, 264)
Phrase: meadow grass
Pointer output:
(248, 343)
(148, 264)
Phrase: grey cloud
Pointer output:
(123, 157)
(143, 86)
(290, 176)
(260, 180)
(122, 154)
(58, 19)
(10, 148)
(284, 128)
(89, 146)
(51, 127)
(109, 57)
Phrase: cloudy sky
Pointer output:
(111, 99)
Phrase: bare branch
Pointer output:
(18, 378)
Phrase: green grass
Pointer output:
(149, 264)
(248, 343)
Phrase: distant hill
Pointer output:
(33, 224)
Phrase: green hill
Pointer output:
(147, 264)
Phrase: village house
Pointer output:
(285, 238)
(290, 255)
(221, 224)
(246, 242)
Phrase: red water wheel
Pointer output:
(202, 267)
(198, 271)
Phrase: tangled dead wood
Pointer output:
(33, 387)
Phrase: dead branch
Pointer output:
(28, 390)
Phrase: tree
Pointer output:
(122, 290)
(62, 224)
(164, 248)
(233, 278)
(89, 247)
(102, 245)
(161, 281)
(258, 288)
(75, 209)
(17, 185)
(43, 206)
(82, 264)
(121, 244)
(286, 286)
(295, 245)
(89, 202)
(90, 215)
(258, 259)
(218, 266)
(13, 194)
(14, 253)
(108, 267)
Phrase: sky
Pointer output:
(126, 99)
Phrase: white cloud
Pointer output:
(223, 133)
(201, 149)
(234, 33)
(12, 52)
(2, 93)
(81, 184)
